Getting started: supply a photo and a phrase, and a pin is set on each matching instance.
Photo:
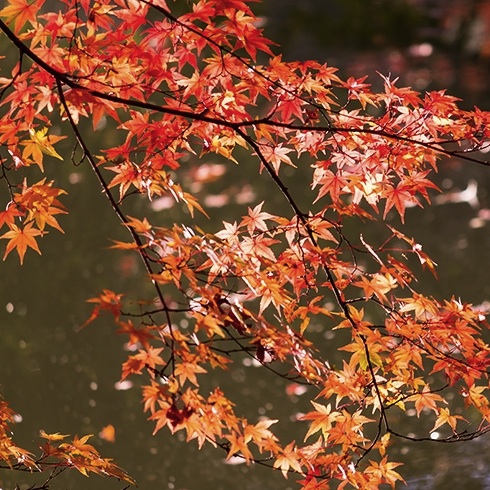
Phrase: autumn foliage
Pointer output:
(180, 86)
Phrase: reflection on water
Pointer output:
(68, 381)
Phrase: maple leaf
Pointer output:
(322, 419)
(21, 11)
(192, 203)
(287, 459)
(187, 371)
(379, 285)
(426, 400)
(330, 182)
(312, 483)
(445, 417)
(20, 239)
(170, 85)
(40, 203)
(229, 233)
(53, 437)
(256, 219)
(39, 143)
(259, 432)
(152, 394)
(140, 226)
(290, 106)
(8, 216)
(127, 175)
(360, 357)
(150, 357)
(79, 446)
(385, 471)
(423, 307)
(399, 196)
(107, 301)
(475, 396)
(85, 458)
(133, 365)
(238, 446)
(137, 336)
(277, 154)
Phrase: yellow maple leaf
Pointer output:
(289, 460)
(52, 437)
(40, 142)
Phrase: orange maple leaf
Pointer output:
(322, 418)
(20, 239)
(427, 400)
(21, 11)
(148, 358)
(187, 371)
(8, 216)
(385, 471)
(259, 432)
(238, 446)
(445, 417)
(107, 301)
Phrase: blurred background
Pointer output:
(62, 380)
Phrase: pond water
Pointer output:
(62, 379)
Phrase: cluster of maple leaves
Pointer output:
(55, 455)
(206, 81)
